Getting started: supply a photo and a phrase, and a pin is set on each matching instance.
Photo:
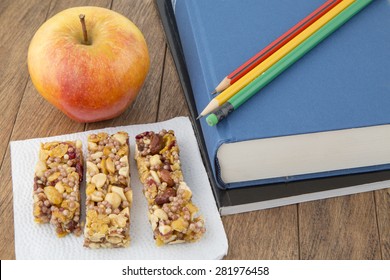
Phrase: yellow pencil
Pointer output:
(262, 67)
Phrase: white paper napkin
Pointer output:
(34, 241)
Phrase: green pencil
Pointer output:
(264, 79)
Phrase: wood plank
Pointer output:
(36, 117)
(382, 199)
(144, 110)
(265, 234)
(339, 228)
(7, 245)
(18, 20)
(59, 5)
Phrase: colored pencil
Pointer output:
(275, 45)
(242, 96)
(262, 67)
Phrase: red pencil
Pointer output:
(275, 45)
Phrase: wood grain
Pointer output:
(382, 199)
(7, 245)
(59, 5)
(266, 234)
(339, 228)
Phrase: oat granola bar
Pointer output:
(108, 191)
(56, 194)
(172, 214)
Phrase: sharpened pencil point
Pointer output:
(199, 117)
(214, 92)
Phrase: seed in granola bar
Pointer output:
(165, 208)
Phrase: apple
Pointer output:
(89, 62)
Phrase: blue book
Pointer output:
(327, 115)
(254, 196)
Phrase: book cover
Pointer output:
(265, 196)
(341, 84)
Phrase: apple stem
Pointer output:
(84, 27)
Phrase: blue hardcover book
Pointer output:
(327, 115)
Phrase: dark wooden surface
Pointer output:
(349, 227)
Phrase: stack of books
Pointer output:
(318, 127)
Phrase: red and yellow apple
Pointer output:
(93, 75)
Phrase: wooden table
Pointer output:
(349, 227)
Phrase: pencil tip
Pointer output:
(214, 92)
(198, 117)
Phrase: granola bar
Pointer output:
(172, 214)
(108, 191)
(56, 194)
